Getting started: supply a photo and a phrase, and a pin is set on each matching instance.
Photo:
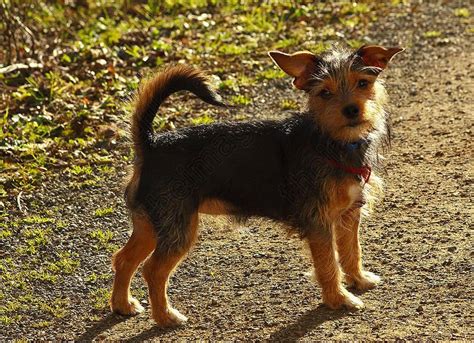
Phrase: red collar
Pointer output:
(364, 172)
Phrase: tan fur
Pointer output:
(131, 183)
(328, 275)
(329, 112)
(215, 207)
(156, 271)
(125, 263)
(342, 235)
(348, 247)
(300, 65)
(147, 94)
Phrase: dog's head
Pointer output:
(345, 95)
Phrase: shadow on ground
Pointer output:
(308, 322)
(97, 331)
(100, 327)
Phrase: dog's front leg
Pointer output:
(350, 255)
(323, 250)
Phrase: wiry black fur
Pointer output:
(272, 169)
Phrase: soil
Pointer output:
(251, 283)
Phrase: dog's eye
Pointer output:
(362, 83)
(325, 94)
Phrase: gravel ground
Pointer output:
(250, 284)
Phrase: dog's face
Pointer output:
(345, 96)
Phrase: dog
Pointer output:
(316, 172)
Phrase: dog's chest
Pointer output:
(344, 195)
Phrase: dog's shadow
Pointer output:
(96, 331)
(308, 322)
(101, 326)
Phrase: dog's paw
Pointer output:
(170, 318)
(342, 298)
(130, 307)
(364, 282)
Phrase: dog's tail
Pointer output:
(153, 92)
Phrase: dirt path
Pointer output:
(250, 284)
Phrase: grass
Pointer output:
(289, 104)
(103, 212)
(99, 298)
(34, 260)
(240, 100)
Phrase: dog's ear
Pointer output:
(377, 56)
(300, 65)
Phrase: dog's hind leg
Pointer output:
(126, 261)
(350, 255)
(157, 270)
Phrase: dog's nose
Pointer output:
(351, 111)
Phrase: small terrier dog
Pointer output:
(314, 172)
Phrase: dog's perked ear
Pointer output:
(377, 56)
(300, 65)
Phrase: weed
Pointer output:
(103, 212)
(8, 320)
(5, 233)
(80, 170)
(100, 298)
(204, 119)
(462, 12)
(103, 237)
(432, 34)
(37, 220)
(42, 324)
(65, 264)
(57, 308)
(289, 104)
(270, 74)
(240, 100)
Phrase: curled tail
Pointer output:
(153, 92)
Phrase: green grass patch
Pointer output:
(270, 74)
(64, 265)
(57, 308)
(5, 233)
(204, 119)
(35, 219)
(289, 104)
(99, 298)
(103, 238)
(240, 100)
(42, 324)
(103, 212)
(462, 12)
(432, 34)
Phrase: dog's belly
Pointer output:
(215, 207)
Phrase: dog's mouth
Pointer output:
(354, 124)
